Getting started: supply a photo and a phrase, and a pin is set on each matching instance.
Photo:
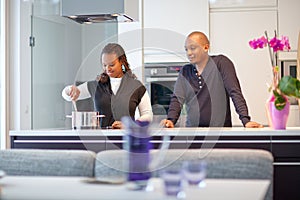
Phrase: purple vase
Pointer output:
(137, 143)
(278, 118)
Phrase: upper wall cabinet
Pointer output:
(168, 22)
(242, 3)
(289, 20)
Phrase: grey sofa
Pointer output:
(221, 163)
(47, 162)
(112, 164)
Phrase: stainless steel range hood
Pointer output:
(97, 11)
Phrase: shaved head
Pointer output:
(196, 47)
(199, 37)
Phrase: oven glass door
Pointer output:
(161, 91)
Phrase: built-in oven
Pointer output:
(160, 80)
(287, 62)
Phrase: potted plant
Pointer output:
(278, 105)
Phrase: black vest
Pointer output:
(123, 103)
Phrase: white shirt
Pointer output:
(115, 84)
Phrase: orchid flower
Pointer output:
(258, 43)
(275, 44)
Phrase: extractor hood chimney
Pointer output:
(96, 11)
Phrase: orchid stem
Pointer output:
(270, 52)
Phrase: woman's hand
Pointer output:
(117, 125)
(74, 92)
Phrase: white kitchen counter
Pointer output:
(235, 131)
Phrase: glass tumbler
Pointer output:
(172, 179)
(194, 172)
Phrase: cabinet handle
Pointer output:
(286, 163)
(285, 141)
(59, 141)
(230, 141)
(148, 80)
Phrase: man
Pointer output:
(205, 86)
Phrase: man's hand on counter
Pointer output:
(253, 125)
(167, 123)
(117, 125)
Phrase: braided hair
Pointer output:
(114, 48)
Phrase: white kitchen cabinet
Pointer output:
(230, 32)
(167, 23)
(130, 38)
(241, 3)
(289, 20)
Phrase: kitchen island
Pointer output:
(284, 145)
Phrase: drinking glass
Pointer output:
(172, 179)
(194, 172)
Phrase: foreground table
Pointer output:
(284, 145)
(50, 188)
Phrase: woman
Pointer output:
(116, 91)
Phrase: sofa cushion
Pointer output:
(35, 162)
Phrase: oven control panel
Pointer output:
(163, 69)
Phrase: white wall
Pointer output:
(289, 20)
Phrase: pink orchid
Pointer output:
(275, 44)
(285, 42)
(258, 43)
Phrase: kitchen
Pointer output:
(143, 46)
(83, 63)
(226, 37)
